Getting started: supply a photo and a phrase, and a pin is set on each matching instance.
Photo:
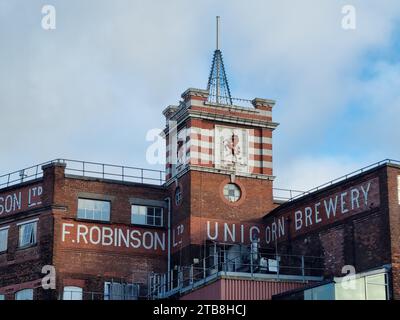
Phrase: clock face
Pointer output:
(231, 149)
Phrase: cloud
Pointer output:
(93, 88)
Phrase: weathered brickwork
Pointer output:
(394, 222)
(94, 266)
(366, 240)
(20, 268)
(353, 222)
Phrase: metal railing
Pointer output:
(112, 291)
(107, 171)
(87, 169)
(19, 176)
(149, 176)
(248, 263)
(93, 295)
(281, 194)
(346, 177)
(238, 102)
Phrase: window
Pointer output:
(2, 297)
(94, 209)
(178, 196)
(27, 234)
(26, 294)
(324, 292)
(232, 192)
(371, 287)
(72, 293)
(3, 239)
(118, 291)
(144, 215)
(376, 286)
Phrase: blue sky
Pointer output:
(92, 88)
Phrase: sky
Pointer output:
(92, 88)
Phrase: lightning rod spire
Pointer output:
(218, 86)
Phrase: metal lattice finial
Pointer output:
(218, 87)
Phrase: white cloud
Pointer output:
(92, 88)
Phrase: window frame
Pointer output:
(123, 291)
(4, 229)
(23, 291)
(178, 196)
(72, 292)
(86, 218)
(236, 189)
(147, 216)
(35, 234)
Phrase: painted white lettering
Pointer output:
(64, 230)
(331, 207)
(365, 192)
(17, 202)
(281, 223)
(123, 238)
(107, 236)
(80, 234)
(9, 203)
(30, 198)
(253, 236)
(174, 243)
(308, 214)
(229, 232)
(150, 244)
(135, 241)
(355, 194)
(115, 237)
(215, 237)
(91, 235)
(316, 212)
(298, 219)
(159, 242)
(1, 205)
(343, 203)
(268, 235)
(273, 228)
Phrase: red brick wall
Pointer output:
(207, 199)
(20, 268)
(93, 266)
(360, 240)
(203, 198)
(394, 216)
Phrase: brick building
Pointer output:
(212, 227)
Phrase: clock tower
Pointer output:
(219, 161)
(219, 156)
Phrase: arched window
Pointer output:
(26, 294)
(178, 196)
(72, 293)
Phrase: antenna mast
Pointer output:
(218, 17)
(218, 86)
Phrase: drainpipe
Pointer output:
(168, 199)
